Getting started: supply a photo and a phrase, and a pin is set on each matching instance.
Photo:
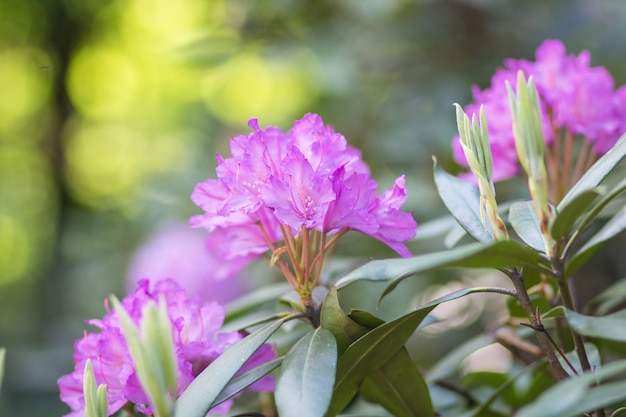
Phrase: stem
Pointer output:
(517, 278)
(579, 342)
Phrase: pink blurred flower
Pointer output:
(197, 343)
(186, 255)
(574, 97)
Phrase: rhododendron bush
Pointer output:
(285, 198)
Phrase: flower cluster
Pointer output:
(197, 342)
(308, 177)
(297, 186)
(576, 100)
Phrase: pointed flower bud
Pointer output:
(96, 404)
(530, 145)
(475, 145)
(152, 349)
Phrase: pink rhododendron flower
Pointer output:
(185, 255)
(309, 177)
(197, 343)
(575, 99)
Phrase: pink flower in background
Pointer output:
(277, 182)
(185, 255)
(197, 340)
(575, 98)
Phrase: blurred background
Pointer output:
(111, 112)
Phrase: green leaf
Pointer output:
(462, 200)
(243, 381)
(496, 254)
(614, 226)
(610, 327)
(577, 395)
(252, 301)
(523, 217)
(435, 228)
(333, 319)
(369, 353)
(597, 172)
(200, 395)
(567, 217)
(375, 348)
(399, 387)
(304, 386)
(597, 208)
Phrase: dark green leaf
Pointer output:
(463, 201)
(591, 214)
(365, 319)
(614, 226)
(369, 353)
(200, 395)
(597, 172)
(500, 254)
(375, 348)
(610, 327)
(525, 222)
(243, 381)
(577, 395)
(334, 319)
(304, 386)
(399, 387)
(568, 215)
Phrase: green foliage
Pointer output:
(304, 386)
(581, 394)
(525, 221)
(201, 395)
(500, 254)
(463, 201)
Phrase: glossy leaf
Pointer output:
(567, 217)
(577, 395)
(500, 254)
(201, 394)
(597, 208)
(304, 386)
(369, 353)
(399, 387)
(525, 222)
(613, 227)
(375, 348)
(610, 327)
(333, 319)
(243, 381)
(597, 172)
(463, 201)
